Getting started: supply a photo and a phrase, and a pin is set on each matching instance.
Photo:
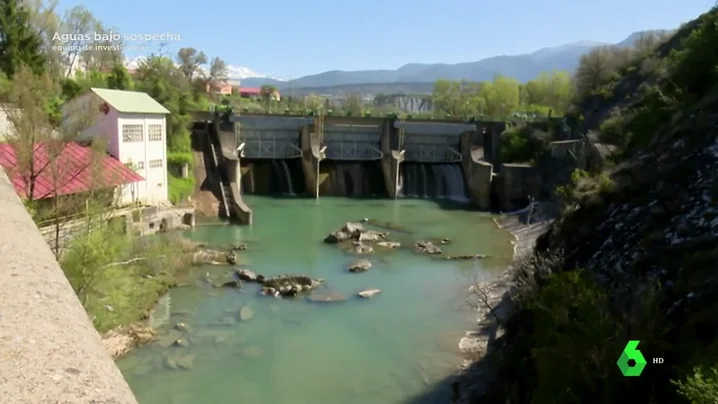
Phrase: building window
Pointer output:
(156, 163)
(131, 133)
(154, 132)
(140, 165)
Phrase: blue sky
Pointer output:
(293, 38)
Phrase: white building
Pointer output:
(135, 127)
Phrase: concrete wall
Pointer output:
(309, 143)
(392, 158)
(231, 167)
(478, 173)
(488, 135)
(50, 349)
(516, 183)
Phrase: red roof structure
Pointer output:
(250, 91)
(71, 173)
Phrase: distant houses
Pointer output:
(219, 87)
(256, 93)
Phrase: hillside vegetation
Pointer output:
(635, 253)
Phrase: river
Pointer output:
(391, 348)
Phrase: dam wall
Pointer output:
(516, 184)
(380, 157)
(51, 349)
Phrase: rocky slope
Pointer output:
(633, 258)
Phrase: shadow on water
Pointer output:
(475, 383)
(438, 393)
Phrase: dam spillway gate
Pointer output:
(350, 142)
(269, 138)
(430, 142)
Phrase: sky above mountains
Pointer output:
(289, 39)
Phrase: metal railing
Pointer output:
(270, 149)
(352, 151)
(435, 153)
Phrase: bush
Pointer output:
(179, 158)
(118, 278)
(522, 144)
(700, 387)
(571, 322)
(180, 188)
(612, 129)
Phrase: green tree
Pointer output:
(119, 78)
(218, 70)
(501, 96)
(267, 92)
(78, 22)
(19, 43)
(595, 68)
(190, 60)
(448, 98)
(46, 23)
(553, 90)
(158, 76)
(352, 106)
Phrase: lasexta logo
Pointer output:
(631, 361)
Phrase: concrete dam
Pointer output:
(313, 156)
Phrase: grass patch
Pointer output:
(180, 188)
(118, 278)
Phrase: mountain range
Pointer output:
(418, 78)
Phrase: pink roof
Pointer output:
(250, 90)
(71, 174)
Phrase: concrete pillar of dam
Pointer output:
(477, 172)
(392, 159)
(311, 157)
(518, 183)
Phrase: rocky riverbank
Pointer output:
(492, 299)
(123, 338)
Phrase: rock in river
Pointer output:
(182, 342)
(232, 258)
(185, 362)
(372, 236)
(361, 248)
(427, 247)
(362, 265)
(350, 230)
(326, 297)
(389, 244)
(465, 257)
(289, 285)
(368, 293)
(246, 313)
(246, 275)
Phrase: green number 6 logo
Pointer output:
(631, 361)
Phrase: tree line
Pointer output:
(32, 34)
(559, 92)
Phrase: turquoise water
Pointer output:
(388, 349)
